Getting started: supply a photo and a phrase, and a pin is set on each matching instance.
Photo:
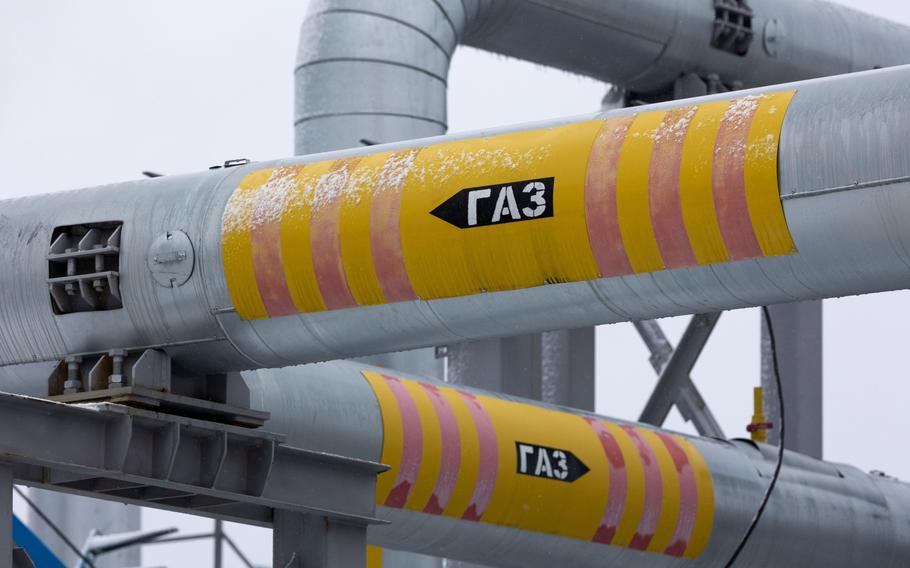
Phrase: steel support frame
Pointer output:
(554, 366)
(302, 540)
(689, 401)
(123, 454)
(676, 374)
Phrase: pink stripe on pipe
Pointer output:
(488, 464)
(325, 236)
(385, 228)
(451, 452)
(269, 269)
(688, 497)
(600, 198)
(653, 492)
(663, 189)
(618, 485)
(729, 180)
(412, 445)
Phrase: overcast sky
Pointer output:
(96, 91)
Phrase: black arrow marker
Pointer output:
(496, 204)
(548, 463)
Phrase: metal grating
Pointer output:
(83, 268)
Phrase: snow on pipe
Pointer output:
(488, 478)
(772, 195)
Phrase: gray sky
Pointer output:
(96, 91)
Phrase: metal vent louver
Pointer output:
(732, 26)
(84, 268)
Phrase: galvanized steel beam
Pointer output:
(124, 454)
(311, 541)
(689, 401)
(675, 374)
(555, 367)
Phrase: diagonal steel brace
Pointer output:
(677, 386)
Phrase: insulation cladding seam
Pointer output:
(489, 460)
(607, 197)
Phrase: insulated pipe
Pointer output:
(488, 478)
(773, 195)
(378, 70)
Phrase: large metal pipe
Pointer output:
(377, 70)
(490, 478)
(772, 195)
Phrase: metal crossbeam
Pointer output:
(130, 455)
(675, 374)
(690, 403)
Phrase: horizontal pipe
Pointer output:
(489, 478)
(378, 70)
(645, 46)
(759, 197)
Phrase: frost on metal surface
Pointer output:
(273, 197)
(675, 131)
(393, 197)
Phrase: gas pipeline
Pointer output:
(489, 478)
(770, 195)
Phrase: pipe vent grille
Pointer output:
(732, 26)
(83, 266)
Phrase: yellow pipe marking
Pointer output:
(632, 203)
(444, 261)
(669, 479)
(635, 486)
(527, 502)
(762, 192)
(539, 504)
(356, 250)
(237, 246)
(696, 184)
(296, 254)
(392, 434)
(470, 455)
(374, 557)
(431, 457)
(704, 519)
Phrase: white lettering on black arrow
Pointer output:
(549, 463)
(499, 203)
